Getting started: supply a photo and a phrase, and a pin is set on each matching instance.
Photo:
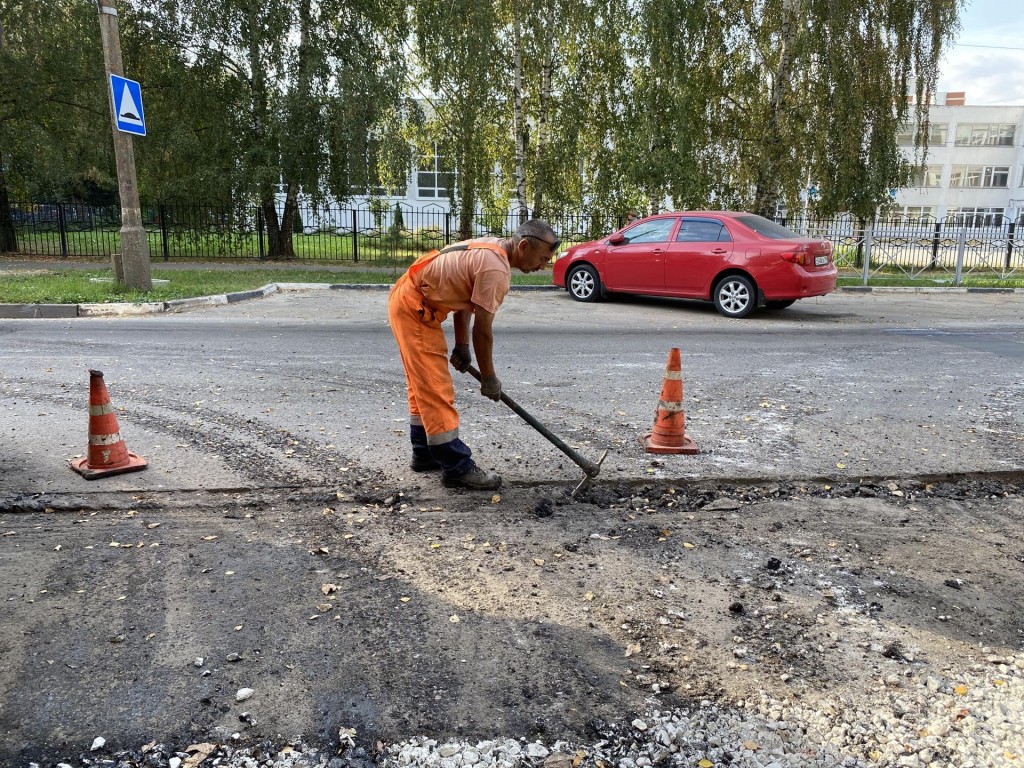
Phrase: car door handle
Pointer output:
(658, 251)
(719, 251)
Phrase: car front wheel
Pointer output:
(584, 283)
(735, 296)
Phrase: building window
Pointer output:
(980, 176)
(937, 134)
(434, 176)
(930, 176)
(912, 215)
(975, 217)
(985, 134)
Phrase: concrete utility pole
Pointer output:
(134, 242)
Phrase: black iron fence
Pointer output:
(359, 233)
(389, 233)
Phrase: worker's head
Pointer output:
(533, 245)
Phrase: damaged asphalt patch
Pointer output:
(405, 613)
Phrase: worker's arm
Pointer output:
(461, 320)
(461, 358)
(483, 340)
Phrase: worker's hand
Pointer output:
(490, 386)
(461, 358)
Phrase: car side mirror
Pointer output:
(617, 239)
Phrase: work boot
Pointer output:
(475, 479)
(422, 463)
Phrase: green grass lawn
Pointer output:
(76, 286)
(322, 246)
(924, 281)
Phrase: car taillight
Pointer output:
(795, 257)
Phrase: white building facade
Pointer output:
(973, 173)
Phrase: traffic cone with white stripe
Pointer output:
(669, 432)
(108, 455)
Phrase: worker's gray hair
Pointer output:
(535, 228)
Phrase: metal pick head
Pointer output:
(592, 472)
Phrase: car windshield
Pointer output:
(653, 231)
(766, 228)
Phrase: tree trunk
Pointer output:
(766, 192)
(465, 182)
(466, 205)
(542, 113)
(8, 235)
(466, 185)
(467, 162)
(518, 124)
(279, 231)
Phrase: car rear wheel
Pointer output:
(584, 283)
(779, 304)
(735, 296)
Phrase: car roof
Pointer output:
(726, 214)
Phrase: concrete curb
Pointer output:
(59, 311)
(120, 310)
(45, 311)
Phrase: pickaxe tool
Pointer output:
(590, 468)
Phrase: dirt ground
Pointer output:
(399, 611)
(299, 559)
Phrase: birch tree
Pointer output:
(317, 76)
(817, 90)
(54, 120)
(462, 64)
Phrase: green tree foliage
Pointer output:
(677, 55)
(53, 103)
(314, 77)
(193, 105)
(553, 104)
(54, 121)
(816, 90)
(584, 151)
(462, 64)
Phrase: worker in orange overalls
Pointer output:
(469, 279)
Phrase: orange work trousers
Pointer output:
(424, 350)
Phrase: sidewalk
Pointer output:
(50, 311)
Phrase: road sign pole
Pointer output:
(134, 242)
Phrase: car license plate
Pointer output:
(820, 261)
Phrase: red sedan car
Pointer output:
(739, 261)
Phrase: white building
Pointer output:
(973, 173)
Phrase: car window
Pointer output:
(702, 231)
(766, 228)
(654, 231)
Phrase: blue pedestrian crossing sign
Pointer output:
(127, 96)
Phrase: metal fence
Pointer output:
(941, 251)
(360, 233)
(389, 233)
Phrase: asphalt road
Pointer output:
(279, 536)
(241, 396)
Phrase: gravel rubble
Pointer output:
(970, 717)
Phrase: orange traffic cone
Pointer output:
(108, 455)
(669, 432)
